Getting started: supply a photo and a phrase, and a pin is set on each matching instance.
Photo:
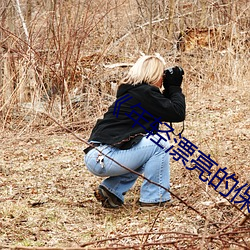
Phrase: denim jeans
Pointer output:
(146, 158)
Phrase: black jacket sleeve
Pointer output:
(170, 105)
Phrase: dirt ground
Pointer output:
(46, 193)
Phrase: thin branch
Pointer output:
(153, 224)
(179, 236)
(172, 234)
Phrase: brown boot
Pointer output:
(107, 199)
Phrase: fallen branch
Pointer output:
(115, 65)
(176, 237)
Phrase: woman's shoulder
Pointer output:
(150, 89)
(143, 89)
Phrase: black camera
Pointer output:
(173, 76)
(171, 70)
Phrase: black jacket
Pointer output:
(119, 127)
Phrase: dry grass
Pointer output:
(46, 194)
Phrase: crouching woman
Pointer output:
(128, 133)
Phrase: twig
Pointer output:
(141, 234)
(156, 217)
(244, 220)
(231, 222)
(179, 236)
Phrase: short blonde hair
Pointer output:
(148, 69)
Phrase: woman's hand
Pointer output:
(173, 77)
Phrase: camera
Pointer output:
(171, 70)
(173, 76)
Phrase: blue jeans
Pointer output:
(145, 158)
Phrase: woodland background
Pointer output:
(60, 65)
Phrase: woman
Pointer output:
(128, 134)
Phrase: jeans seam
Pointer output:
(160, 179)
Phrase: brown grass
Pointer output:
(46, 193)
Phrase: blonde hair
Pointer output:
(148, 69)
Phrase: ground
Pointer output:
(46, 192)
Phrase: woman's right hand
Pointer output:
(173, 77)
